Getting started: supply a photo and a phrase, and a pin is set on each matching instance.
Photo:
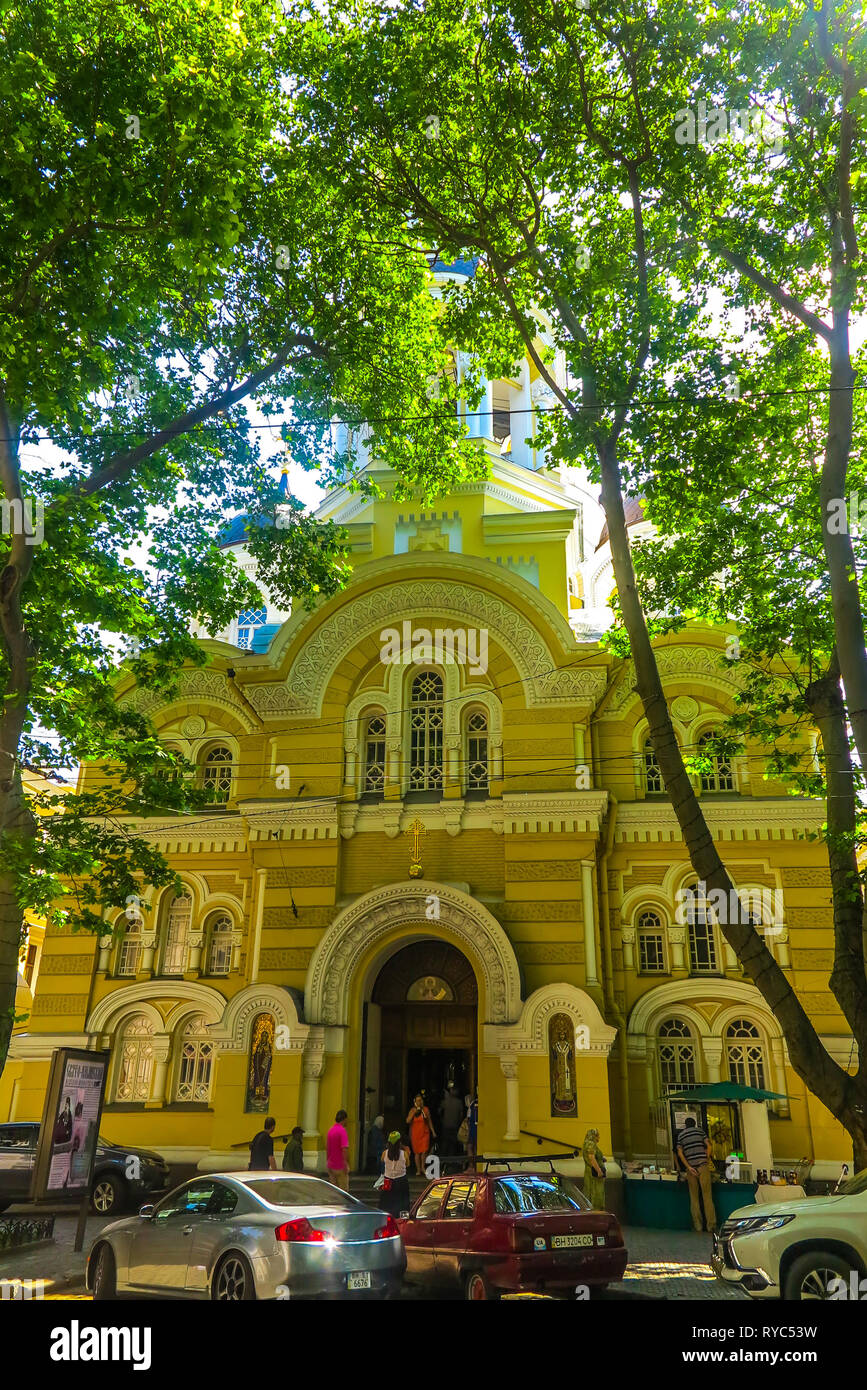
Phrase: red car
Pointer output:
(517, 1232)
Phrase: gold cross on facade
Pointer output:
(416, 830)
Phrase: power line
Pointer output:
(339, 799)
(650, 403)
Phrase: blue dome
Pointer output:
(467, 268)
(236, 531)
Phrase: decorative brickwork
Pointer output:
(68, 965)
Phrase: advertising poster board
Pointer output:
(70, 1125)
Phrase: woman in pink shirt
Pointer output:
(337, 1153)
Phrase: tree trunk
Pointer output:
(848, 981)
(809, 1058)
(15, 819)
(842, 573)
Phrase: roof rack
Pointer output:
(510, 1159)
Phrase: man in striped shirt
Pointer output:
(693, 1147)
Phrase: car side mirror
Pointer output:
(146, 1212)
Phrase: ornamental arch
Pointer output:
(348, 944)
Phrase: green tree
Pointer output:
(167, 254)
(540, 136)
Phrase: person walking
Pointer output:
(451, 1114)
(293, 1154)
(337, 1152)
(694, 1148)
(376, 1142)
(262, 1148)
(594, 1170)
(395, 1191)
(421, 1132)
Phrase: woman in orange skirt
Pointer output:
(421, 1132)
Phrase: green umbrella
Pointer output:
(726, 1090)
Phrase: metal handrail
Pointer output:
(545, 1139)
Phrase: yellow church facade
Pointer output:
(443, 855)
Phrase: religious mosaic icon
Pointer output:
(561, 1053)
(430, 989)
(259, 1071)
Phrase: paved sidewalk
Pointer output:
(662, 1264)
(673, 1264)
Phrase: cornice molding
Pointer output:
(742, 819)
(531, 527)
(318, 821)
(38, 1047)
(392, 818)
(173, 837)
(554, 813)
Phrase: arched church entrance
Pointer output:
(420, 1031)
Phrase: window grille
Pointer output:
(426, 733)
(651, 943)
(374, 754)
(217, 773)
(477, 751)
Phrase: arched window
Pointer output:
(248, 622)
(719, 777)
(477, 751)
(703, 958)
(217, 773)
(196, 1062)
(129, 950)
(374, 755)
(676, 1054)
(135, 1065)
(651, 943)
(745, 1053)
(426, 733)
(219, 945)
(653, 783)
(177, 926)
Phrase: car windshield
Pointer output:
(528, 1195)
(853, 1185)
(304, 1192)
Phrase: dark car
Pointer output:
(121, 1175)
(486, 1234)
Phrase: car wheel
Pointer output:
(107, 1195)
(477, 1289)
(812, 1275)
(233, 1280)
(104, 1275)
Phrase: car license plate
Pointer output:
(358, 1281)
(560, 1242)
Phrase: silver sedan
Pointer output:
(240, 1236)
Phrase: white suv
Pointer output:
(813, 1247)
